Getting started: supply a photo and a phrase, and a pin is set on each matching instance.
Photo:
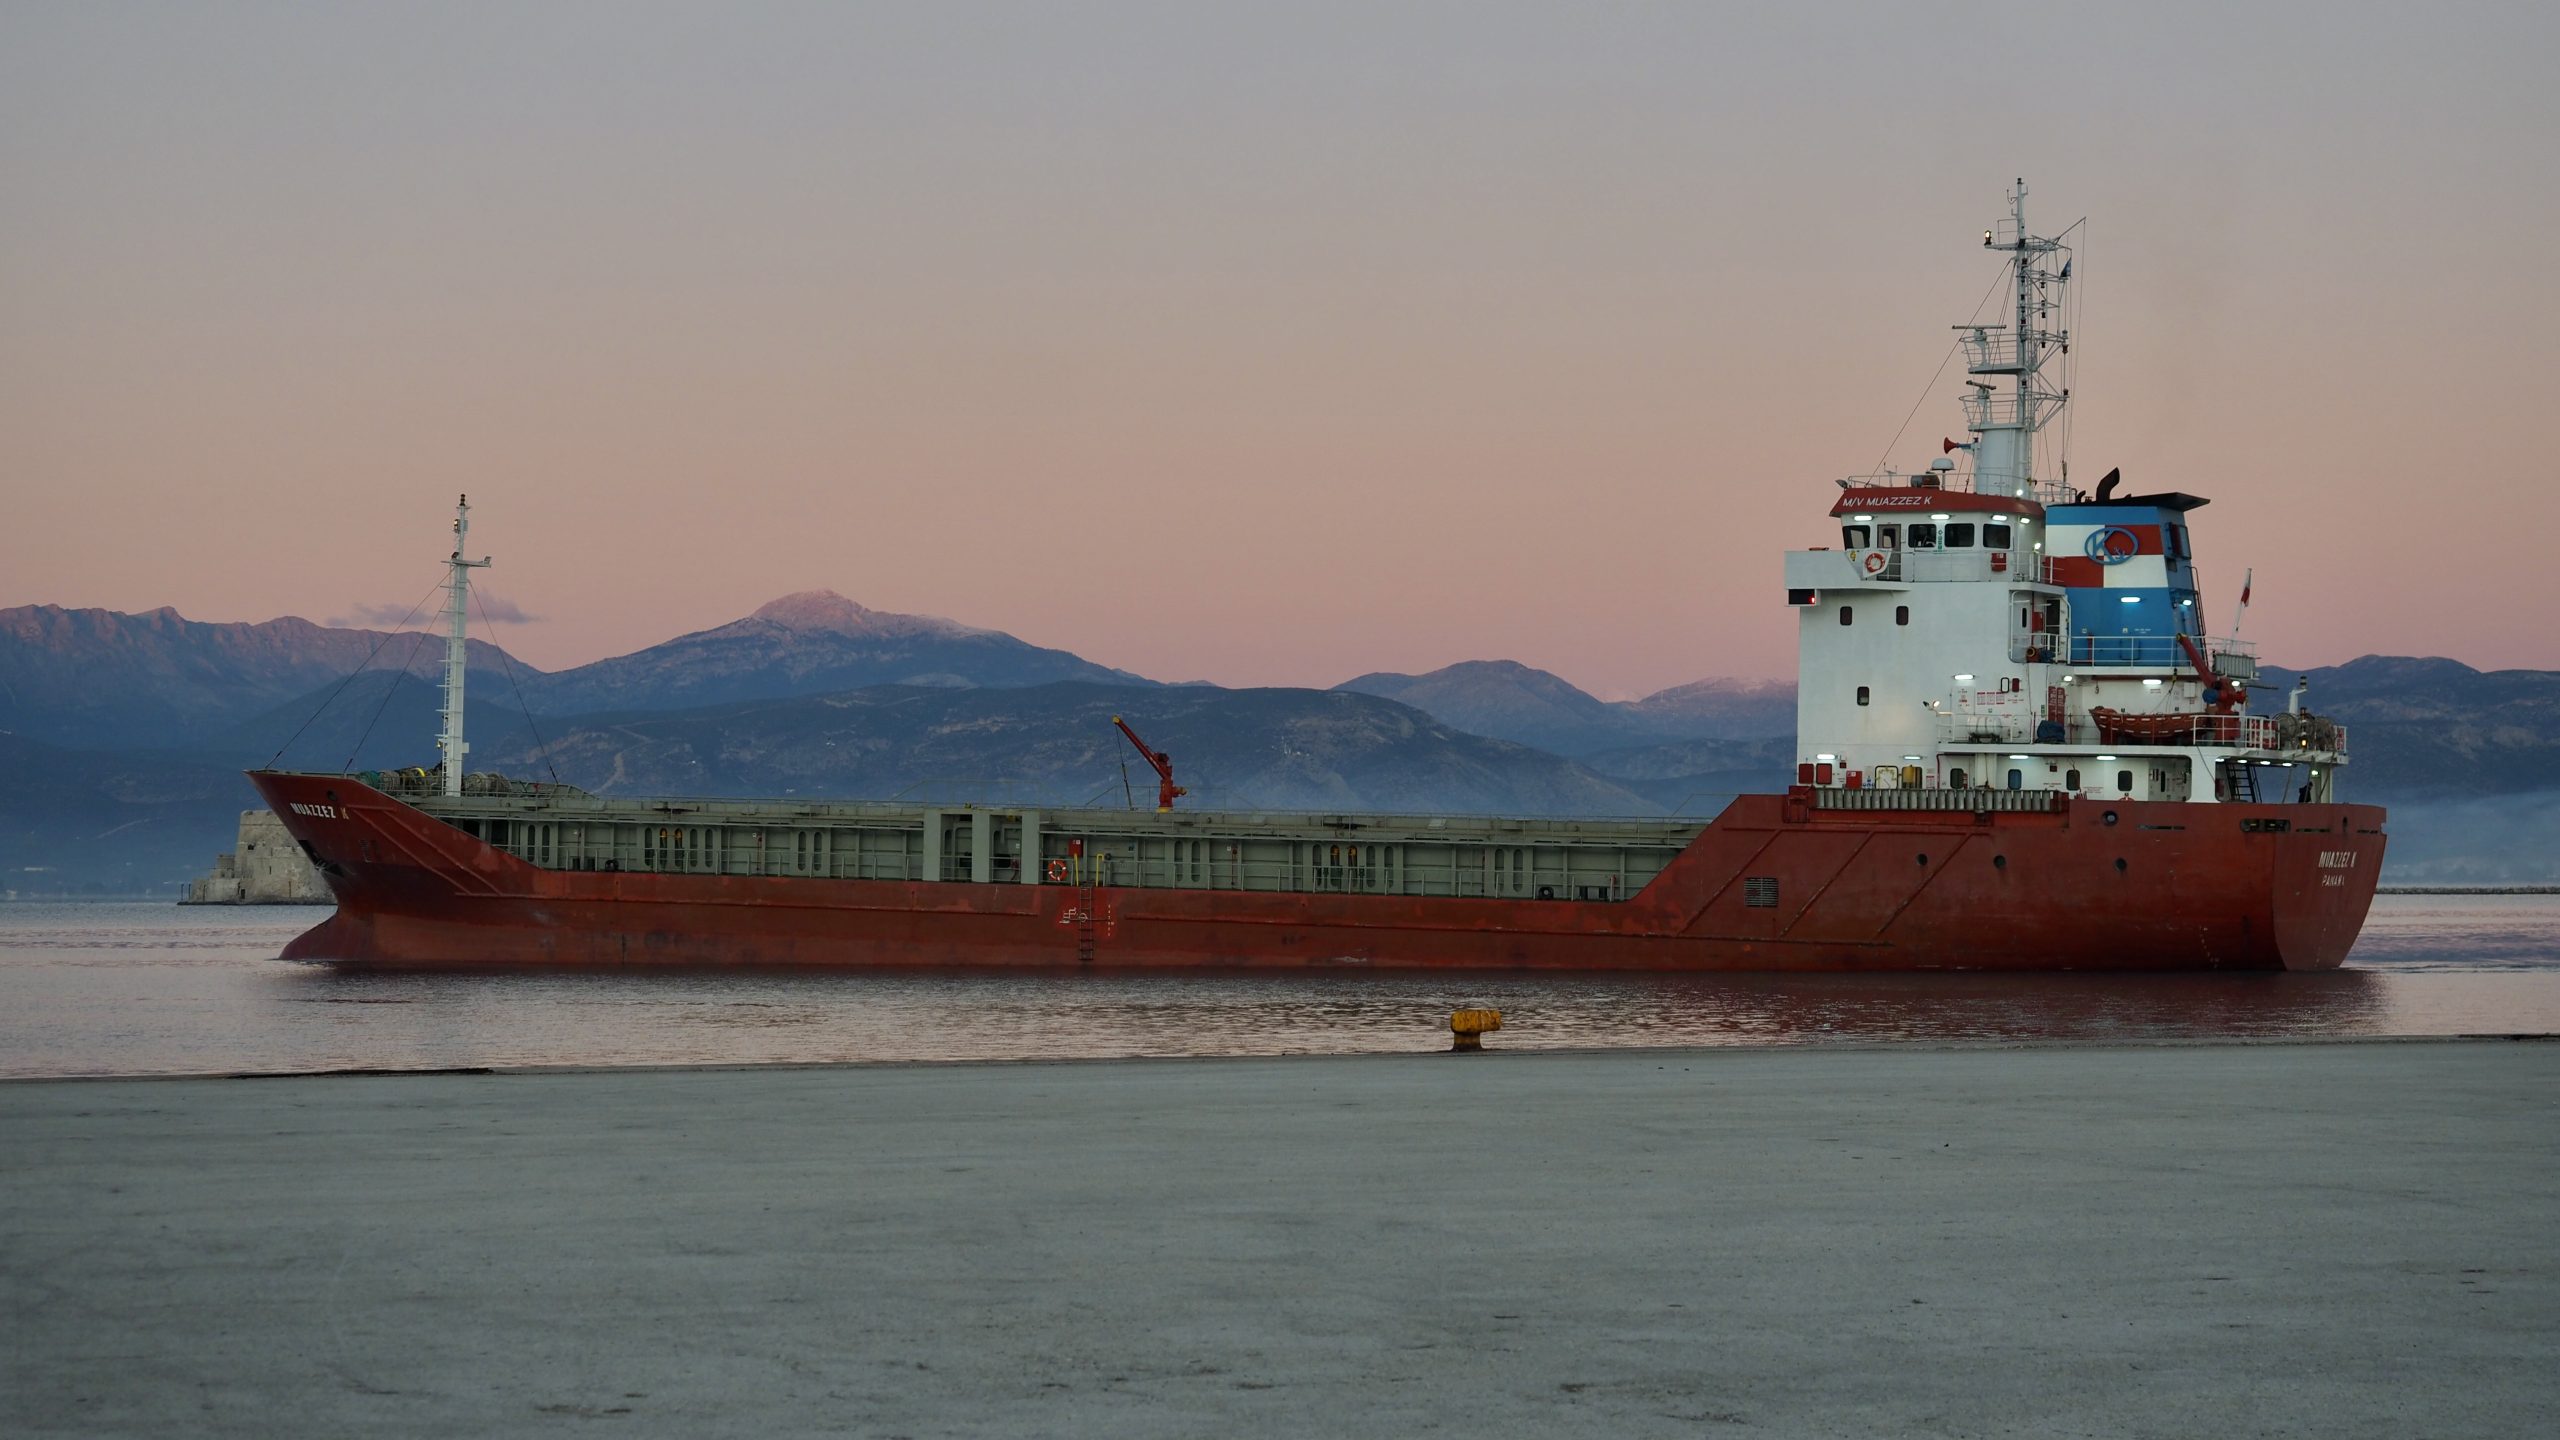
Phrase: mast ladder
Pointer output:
(1085, 924)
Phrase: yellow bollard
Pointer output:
(1469, 1027)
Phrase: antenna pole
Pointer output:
(457, 630)
(2005, 433)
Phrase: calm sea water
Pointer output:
(148, 988)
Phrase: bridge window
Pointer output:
(1862, 694)
(1924, 535)
(2124, 781)
(1855, 536)
(1845, 615)
(1901, 614)
(1960, 536)
(1996, 537)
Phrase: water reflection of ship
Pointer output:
(1764, 1009)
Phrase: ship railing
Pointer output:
(1990, 352)
(2303, 734)
(2154, 651)
(1972, 799)
(1988, 409)
(1950, 481)
(2245, 732)
(1379, 868)
(1925, 565)
(1958, 482)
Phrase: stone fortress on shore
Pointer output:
(266, 868)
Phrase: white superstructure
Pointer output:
(1980, 627)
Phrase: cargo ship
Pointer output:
(2019, 749)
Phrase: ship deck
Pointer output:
(1582, 858)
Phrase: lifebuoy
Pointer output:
(1057, 872)
(1875, 562)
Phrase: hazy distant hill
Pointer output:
(812, 643)
(1053, 744)
(2436, 728)
(102, 679)
(376, 720)
(1719, 709)
(1512, 701)
(1507, 700)
(87, 823)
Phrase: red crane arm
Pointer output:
(2227, 695)
(1166, 791)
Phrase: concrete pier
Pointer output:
(2331, 1240)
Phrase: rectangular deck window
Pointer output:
(1760, 892)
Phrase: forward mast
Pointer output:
(449, 742)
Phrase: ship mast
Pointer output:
(456, 612)
(2005, 426)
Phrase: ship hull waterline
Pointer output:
(2159, 887)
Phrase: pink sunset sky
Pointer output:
(1253, 344)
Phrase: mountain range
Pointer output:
(810, 644)
(130, 731)
(100, 679)
(1054, 745)
(1536, 707)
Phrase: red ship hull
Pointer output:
(2163, 887)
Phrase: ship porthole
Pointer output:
(1924, 859)
(1999, 862)
(2110, 817)
(2119, 864)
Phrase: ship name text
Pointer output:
(317, 812)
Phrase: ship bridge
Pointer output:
(1979, 626)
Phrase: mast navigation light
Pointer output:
(1986, 239)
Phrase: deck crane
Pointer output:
(1166, 791)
